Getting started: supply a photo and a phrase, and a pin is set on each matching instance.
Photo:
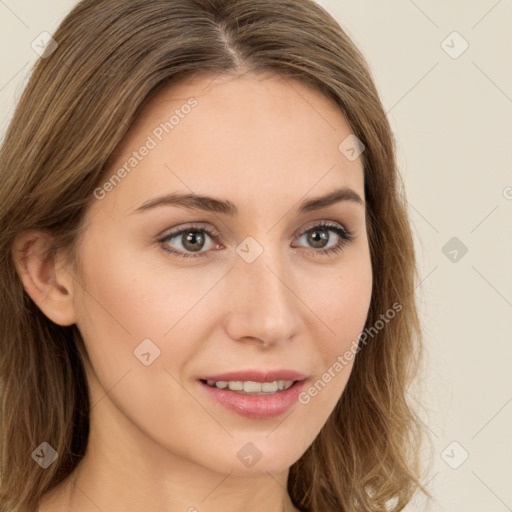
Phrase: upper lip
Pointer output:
(257, 376)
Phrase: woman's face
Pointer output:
(174, 291)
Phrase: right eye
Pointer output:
(191, 239)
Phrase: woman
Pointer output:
(208, 268)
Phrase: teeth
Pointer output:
(251, 387)
(269, 387)
(236, 385)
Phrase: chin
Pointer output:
(258, 457)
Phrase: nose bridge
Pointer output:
(262, 305)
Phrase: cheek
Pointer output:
(342, 305)
(133, 292)
(342, 302)
(128, 296)
(123, 301)
(345, 310)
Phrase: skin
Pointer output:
(157, 442)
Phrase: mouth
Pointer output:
(255, 399)
(250, 387)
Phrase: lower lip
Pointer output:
(256, 406)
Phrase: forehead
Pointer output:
(251, 135)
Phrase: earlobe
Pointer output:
(48, 283)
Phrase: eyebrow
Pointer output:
(211, 204)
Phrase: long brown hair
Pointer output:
(78, 105)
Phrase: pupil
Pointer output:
(318, 236)
(192, 238)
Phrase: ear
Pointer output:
(44, 276)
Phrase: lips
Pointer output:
(255, 406)
(257, 376)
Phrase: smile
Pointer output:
(251, 387)
(255, 400)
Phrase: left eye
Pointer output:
(193, 239)
(320, 234)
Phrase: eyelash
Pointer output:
(344, 234)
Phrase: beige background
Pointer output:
(452, 116)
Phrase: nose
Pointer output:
(262, 303)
